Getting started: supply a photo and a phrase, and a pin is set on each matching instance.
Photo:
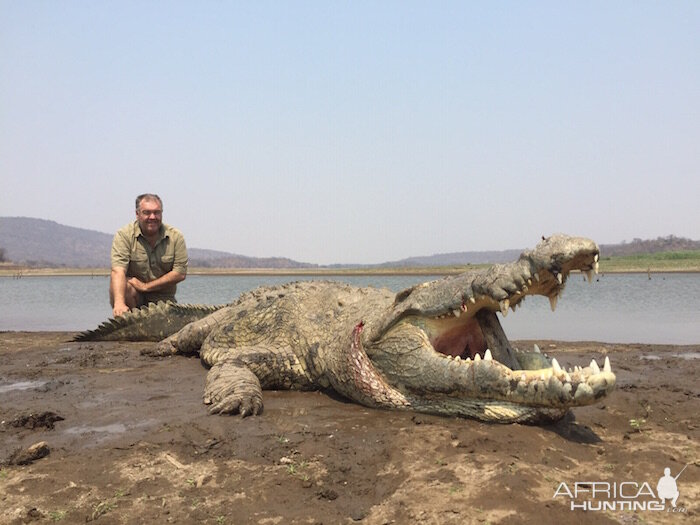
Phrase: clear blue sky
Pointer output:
(340, 132)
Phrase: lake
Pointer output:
(617, 308)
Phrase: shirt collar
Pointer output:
(161, 231)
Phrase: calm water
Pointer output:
(618, 308)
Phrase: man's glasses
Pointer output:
(148, 213)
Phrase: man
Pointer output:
(149, 258)
(666, 488)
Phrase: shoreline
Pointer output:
(18, 271)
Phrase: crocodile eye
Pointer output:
(403, 294)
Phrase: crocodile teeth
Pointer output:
(488, 356)
(606, 366)
(560, 278)
(537, 277)
(594, 367)
(477, 357)
(567, 377)
(596, 267)
(589, 275)
(529, 282)
(472, 300)
(595, 257)
(504, 304)
(553, 301)
(536, 349)
(555, 365)
(456, 312)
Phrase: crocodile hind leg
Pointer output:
(191, 337)
(238, 376)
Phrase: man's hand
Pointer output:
(119, 309)
(138, 285)
(172, 277)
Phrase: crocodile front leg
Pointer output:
(232, 388)
(238, 376)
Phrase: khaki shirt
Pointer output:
(131, 251)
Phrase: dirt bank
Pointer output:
(129, 441)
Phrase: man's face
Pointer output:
(150, 216)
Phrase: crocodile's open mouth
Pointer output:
(453, 324)
(469, 331)
(466, 340)
(466, 324)
(468, 337)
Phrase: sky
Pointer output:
(352, 131)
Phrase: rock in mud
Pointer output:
(30, 455)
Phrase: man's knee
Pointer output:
(132, 297)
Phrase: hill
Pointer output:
(455, 259)
(670, 243)
(39, 242)
(667, 244)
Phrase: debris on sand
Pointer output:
(42, 420)
(29, 455)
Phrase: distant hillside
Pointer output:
(213, 259)
(670, 243)
(456, 259)
(38, 242)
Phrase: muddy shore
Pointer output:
(128, 440)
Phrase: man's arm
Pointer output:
(120, 297)
(117, 291)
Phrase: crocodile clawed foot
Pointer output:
(162, 349)
(231, 389)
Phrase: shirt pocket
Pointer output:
(139, 266)
(166, 263)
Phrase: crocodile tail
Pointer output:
(153, 322)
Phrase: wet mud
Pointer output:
(128, 440)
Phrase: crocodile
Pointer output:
(437, 347)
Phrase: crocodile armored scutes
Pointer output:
(437, 347)
(153, 322)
